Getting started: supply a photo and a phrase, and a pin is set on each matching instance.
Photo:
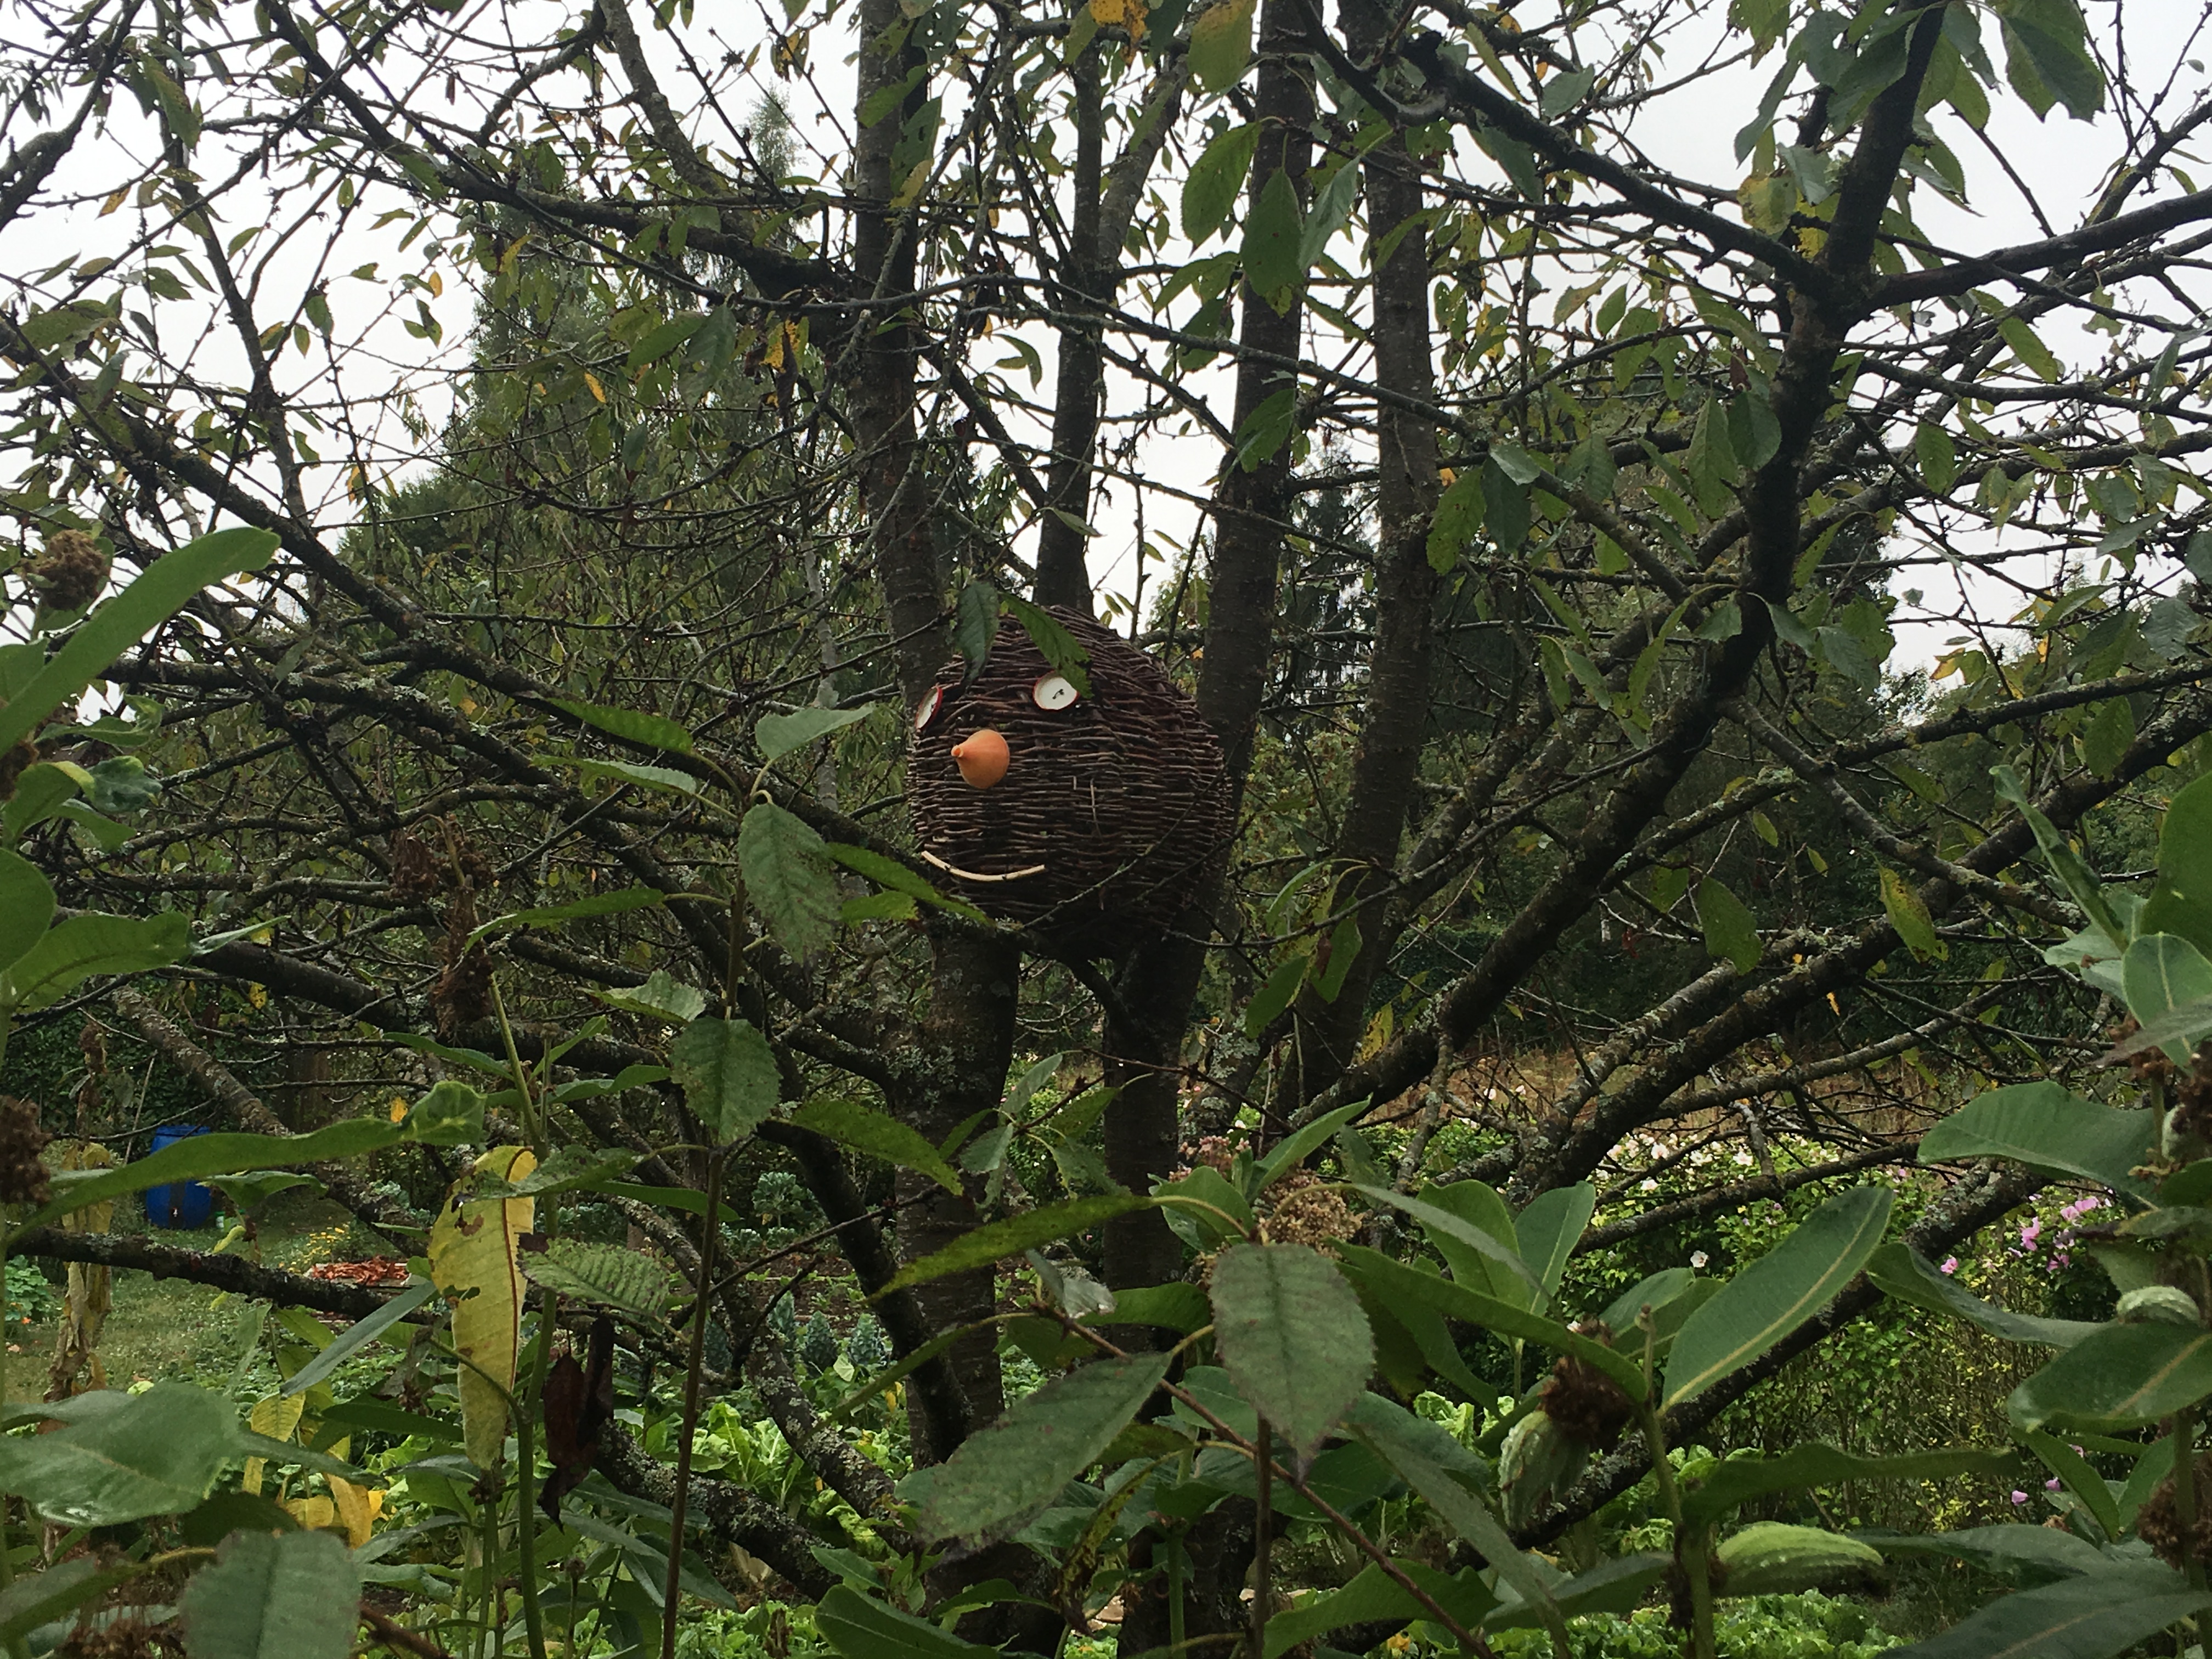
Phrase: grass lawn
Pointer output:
(167, 1327)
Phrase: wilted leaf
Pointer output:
(473, 1258)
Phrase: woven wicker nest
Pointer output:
(1111, 803)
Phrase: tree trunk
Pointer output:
(1387, 761)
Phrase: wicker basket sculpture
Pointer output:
(1086, 816)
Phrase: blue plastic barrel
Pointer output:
(185, 1205)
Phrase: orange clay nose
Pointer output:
(982, 759)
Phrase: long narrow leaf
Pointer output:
(358, 1335)
(1778, 1292)
(155, 596)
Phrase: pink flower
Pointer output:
(2019, 1498)
(2051, 1484)
(1950, 1264)
(2029, 1234)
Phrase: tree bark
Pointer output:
(1396, 721)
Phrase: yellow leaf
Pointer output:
(276, 1416)
(912, 187)
(312, 1513)
(257, 995)
(473, 1261)
(357, 1509)
(437, 285)
(592, 381)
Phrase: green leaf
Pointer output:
(1066, 653)
(996, 1240)
(787, 876)
(661, 997)
(41, 792)
(1221, 44)
(1373, 1595)
(605, 1275)
(2028, 347)
(1904, 1272)
(1549, 1228)
(1564, 91)
(1291, 1331)
(2181, 900)
(274, 1596)
(2079, 880)
(2047, 58)
(44, 1597)
(2106, 736)
(1478, 1205)
(1937, 455)
(359, 1335)
(2121, 1376)
(2045, 1128)
(249, 1192)
(2084, 1482)
(976, 625)
(1332, 208)
(451, 1114)
(1292, 1151)
(728, 1076)
(1391, 1435)
(593, 905)
(1439, 1210)
(2050, 1552)
(126, 1457)
(1658, 1292)
(631, 725)
(1275, 235)
(1774, 1558)
(119, 622)
(1271, 998)
(1736, 1481)
(851, 1124)
(198, 1156)
(1778, 1292)
(1002, 1477)
(1908, 913)
(1397, 1282)
(891, 874)
(1209, 192)
(1458, 517)
(2093, 1616)
(779, 734)
(652, 777)
(27, 907)
(1731, 932)
(2162, 972)
(88, 945)
(862, 1629)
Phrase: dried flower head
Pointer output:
(414, 867)
(1301, 1209)
(2158, 1525)
(22, 1138)
(72, 573)
(462, 995)
(1587, 1406)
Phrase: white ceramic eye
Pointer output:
(932, 701)
(1053, 692)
